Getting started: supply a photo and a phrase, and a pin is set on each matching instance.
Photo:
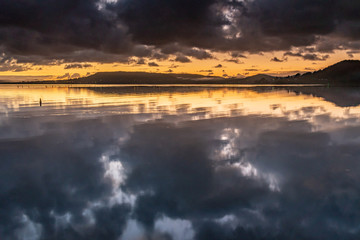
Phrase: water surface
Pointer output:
(186, 162)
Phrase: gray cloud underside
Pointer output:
(113, 31)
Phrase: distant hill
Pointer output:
(258, 79)
(345, 73)
(142, 78)
(342, 73)
(162, 78)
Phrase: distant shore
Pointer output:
(345, 73)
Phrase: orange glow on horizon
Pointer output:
(252, 65)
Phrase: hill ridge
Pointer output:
(346, 72)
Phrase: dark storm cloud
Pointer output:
(63, 28)
(70, 31)
(181, 50)
(250, 25)
(298, 18)
(163, 22)
(111, 31)
(79, 24)
(199, 54)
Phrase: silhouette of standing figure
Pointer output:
(40, 102)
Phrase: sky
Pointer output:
(60, 39)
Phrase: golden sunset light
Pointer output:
(241, 67)
(179, 119)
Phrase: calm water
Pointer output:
(179, 163)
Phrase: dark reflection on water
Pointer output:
(187, 163)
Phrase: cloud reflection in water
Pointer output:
(187, 163)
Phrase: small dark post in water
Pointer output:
(40, 102)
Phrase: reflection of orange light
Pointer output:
(213, 101)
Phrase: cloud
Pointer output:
(315, 57)
(77, 65)
(73, 57)
(246, 176)
(178, 229)
(275, 59)
(82, 25)
(164, 25)
(159, 56)
(65, 210)
(218, 66)
(75, 75)
(234, 60)
(237, 55)
(8, 63)
(174, 66)
(206, 71)
(13, 67)
(29, 229)
(140, 61)
(351, 53)
(307, 56)
(182, 59)
(176, 48)
(198, 53)
(260, 178)
(65, 76)
(116, 30)
(153, 64)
